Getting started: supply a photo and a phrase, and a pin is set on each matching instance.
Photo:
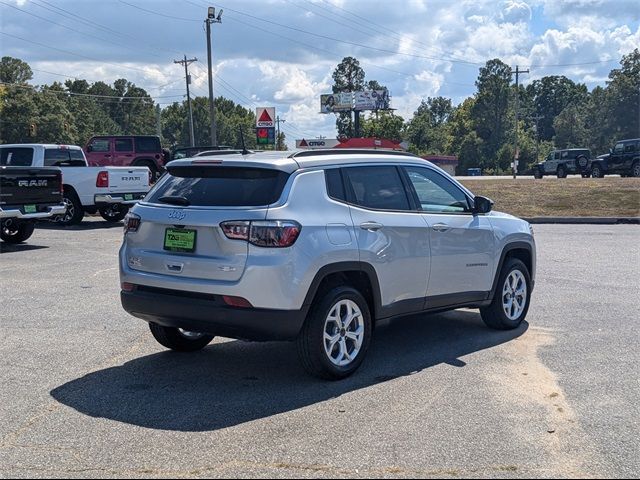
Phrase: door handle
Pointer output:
(107, 155)
(441, 227)
(372, 226)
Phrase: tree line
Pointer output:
(554, 111)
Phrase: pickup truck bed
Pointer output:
(27, 194)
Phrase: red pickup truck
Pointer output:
(127, 150)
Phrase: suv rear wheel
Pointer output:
(635, 169)
(114, 213)
(178, 339)
(511, 298)
(336, 334)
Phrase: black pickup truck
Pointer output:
(26, 195)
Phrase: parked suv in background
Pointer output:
(623, 159)
(315, 247)
(564, 162)
(124, 151)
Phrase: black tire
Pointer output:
(114, 213)
(635, 169)
(537, 173)
(561, 172)
(596, 171)
(75, 212)
(17, 232)
(585, 174)
(311, 341)
(153, 168)
(494, 316)
(174, 339)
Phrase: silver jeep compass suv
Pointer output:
(315, 247)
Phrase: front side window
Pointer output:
(16, 156)
(435, 193)
(377, 188)
(123, 145)
(100, 145)
(556, 156)
(619, 148)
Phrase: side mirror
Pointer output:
(482, 205)
(89, 148)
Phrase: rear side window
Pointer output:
(221, 186)
(378, 188)
(335, 187)
(16, 157)
(148, 145)
(123, 145)
(55, 157)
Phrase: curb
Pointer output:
(585, 220)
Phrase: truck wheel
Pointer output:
(635, 169)
(16, 232)
(178, 339)
(537, 173)
(596, 171)
(74, 213)
(511, 299)
(114, 212)
(562, 172)
(336, 335)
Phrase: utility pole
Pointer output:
(186, 62)
(537, 118)
(211, 18)
(517, 154)
(278, 120)
(158, 121)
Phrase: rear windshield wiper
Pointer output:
(181, 201)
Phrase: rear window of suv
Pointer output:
(221, 186)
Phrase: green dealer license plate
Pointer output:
(30, 209)
(128, 196)
(179, 240)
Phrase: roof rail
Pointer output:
(206, 153)
(348, 151)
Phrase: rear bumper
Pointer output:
(209, 314)
(124, 198)
(13, 212)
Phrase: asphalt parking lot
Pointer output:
(87, 392)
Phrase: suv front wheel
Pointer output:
(511, 298)
(336, 334)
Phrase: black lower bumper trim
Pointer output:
(211, 317)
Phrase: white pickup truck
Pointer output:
(107, 190)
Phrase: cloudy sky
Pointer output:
(282, 52)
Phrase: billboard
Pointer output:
(317, 143)
(335, 102)
(371, 100)
(266, 136)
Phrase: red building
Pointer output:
(446, 162)
(372, 143)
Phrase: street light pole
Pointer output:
(211, 18)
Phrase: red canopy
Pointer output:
(374, 143)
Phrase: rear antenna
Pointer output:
(244, 149)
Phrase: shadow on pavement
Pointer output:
(236, 382)
(83, 226)
(20, 247)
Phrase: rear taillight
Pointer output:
(61, 186)
(103, 180)
(270, 233)
(131, 222)
(236, 301)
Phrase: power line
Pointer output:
(72, 29)
(158, 13)
(67, 14)
(72, 53)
